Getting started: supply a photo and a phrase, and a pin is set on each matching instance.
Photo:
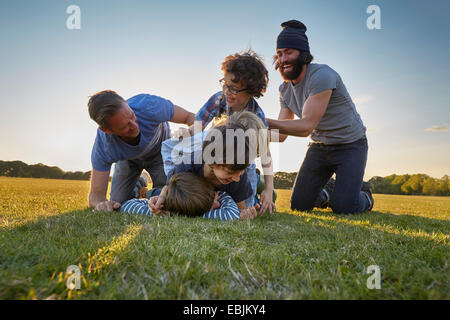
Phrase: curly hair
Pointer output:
(249, 68)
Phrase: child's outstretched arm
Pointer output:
(228, 209)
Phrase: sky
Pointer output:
(398, 75)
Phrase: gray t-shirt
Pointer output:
(341, 122)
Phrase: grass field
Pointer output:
(46, 227)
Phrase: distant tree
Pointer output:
(414, 184)
(429, 187)
(284, 180)
(444, 186)
(397, 182)
(379, 184)
(40, 170)
(388, 185)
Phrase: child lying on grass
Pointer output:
(189, 150)
(190, 195)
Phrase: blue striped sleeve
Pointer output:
(228, 209)
(136, 206)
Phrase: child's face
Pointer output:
(238, 99)
(225, 176)
(216, 203)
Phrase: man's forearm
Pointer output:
(276, 136)
(181, 115)
(299, 127)
(190, 119)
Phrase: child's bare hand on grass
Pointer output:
(156, 204)
(107, 206)
(248, 213)
(266, 202)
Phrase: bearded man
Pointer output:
(317, 95)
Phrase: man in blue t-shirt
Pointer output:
(318, 96)
(130, 134)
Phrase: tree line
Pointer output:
(415, 184)
(408, 184)
(21, 169)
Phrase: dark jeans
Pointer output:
(348, 161)
(127, 173)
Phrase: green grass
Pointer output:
(45, 227)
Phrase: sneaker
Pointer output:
(367, 190)
(143, 193)
(328, 190)
(140, 186)
(329, 187)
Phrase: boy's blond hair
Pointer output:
(247, 121)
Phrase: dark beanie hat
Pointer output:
(293, 36)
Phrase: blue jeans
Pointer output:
(348, 161)
(127, 173)
(253, 178)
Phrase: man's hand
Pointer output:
(182, 133)
(156, 204)
(266, 201)
(313, 110)
(248, 213)
(107, 206)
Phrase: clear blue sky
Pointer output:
(398, 76)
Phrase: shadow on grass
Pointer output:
(407, 225)
(34, 256)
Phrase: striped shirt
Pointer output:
(228, 209)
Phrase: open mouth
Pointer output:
(229, 100)
(286, 67)
(225, 181)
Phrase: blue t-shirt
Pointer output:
(239, 191)
(150, 112)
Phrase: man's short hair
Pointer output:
(103, 105)
(188, 194)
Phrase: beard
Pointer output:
(297, 67)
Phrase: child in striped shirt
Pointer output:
(187, 194)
